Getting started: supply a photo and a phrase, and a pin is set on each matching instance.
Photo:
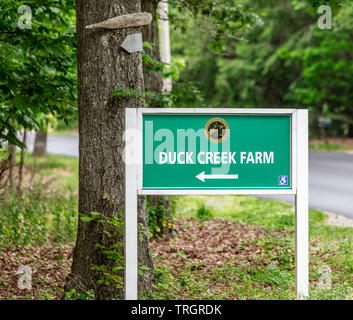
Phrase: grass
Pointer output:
(64, 132)
(62, 169)
(242, 283)
(328, 147)
(203, 212)
(241, 279)
(273, 215)
(45, 213)
(331, 255)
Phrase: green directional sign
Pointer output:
(211, 151)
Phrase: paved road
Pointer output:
(330, 180)
(64, 145)
(330, 183)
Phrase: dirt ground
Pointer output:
(45, 277)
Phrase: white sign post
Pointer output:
(131, 236)
(134, 178)
(301, 208)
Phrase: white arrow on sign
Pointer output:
(133, 43)
(202, 176)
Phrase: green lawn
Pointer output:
(328, 147)
(270, 274)
(64, 132)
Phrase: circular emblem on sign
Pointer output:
(217, 130)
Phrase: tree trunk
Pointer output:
(104, 67)
(165, 40)
(20, 171)
(12, 153)
(153, 80)
(40, 143)
(350, 131)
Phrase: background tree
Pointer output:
(152, 77)
(323, 82)
(282, 60)
(38, 72)
(40, 141)
(12, 163)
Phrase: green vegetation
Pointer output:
(45, 211)
(226, 53)
(282, 60)
(74, 295)
(64, 132)
(269, 274)
(37, 219)
(157, 216)
(38, 77)
(203, 212)
(60, 127)
(160, 216)
(327, 147)
(273, 215)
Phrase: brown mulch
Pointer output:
(210, 244)
(205, 245)
(49, 265)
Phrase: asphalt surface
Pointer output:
(330, 183)
(64, 145)
(330, 175)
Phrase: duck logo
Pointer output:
(217, 130)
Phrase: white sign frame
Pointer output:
(299, 188)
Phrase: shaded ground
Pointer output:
(211, 243)
(214, 259)
(208, 259)
(206, 245)
(49, 265)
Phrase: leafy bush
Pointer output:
(74, 295)
(157, 216)
(160, 215)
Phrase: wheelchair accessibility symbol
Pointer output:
(283, 180)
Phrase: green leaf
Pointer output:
(86, 219)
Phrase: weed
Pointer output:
(203, 212)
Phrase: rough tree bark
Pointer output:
(153, 80)
(104, 67)
(40, 143)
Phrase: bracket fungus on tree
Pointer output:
(124, 21)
